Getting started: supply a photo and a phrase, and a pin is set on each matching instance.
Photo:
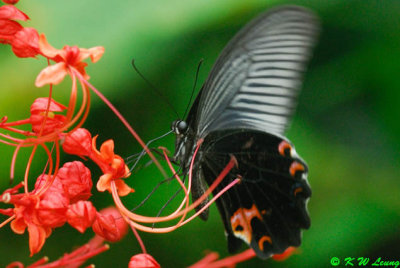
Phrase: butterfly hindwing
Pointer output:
(267, 209)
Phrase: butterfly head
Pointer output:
(179, 127)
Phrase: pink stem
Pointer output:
(124, 121)
(139, 239)
(226, 188)
(206, 260)
(230, 261)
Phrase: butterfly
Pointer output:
(242, 111)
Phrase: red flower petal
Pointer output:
(110, 225)
(143, 261)
(77, 181)
(52, 208)
(47, 50)
(81, 215)
(40, 213)
(71, 57)
(113, 167)
(52, 211)
(53, 121)
(26, 43)
(24, 212)
(11, 2)
(104, 183)
(123, 188)
(7, 211)
(95, 53)
(107, 150)
(37, 237)
(53, 74)
(15, 264)
(18, 226)
(41, 182)
(52, 124)
(40, 105)
(121, 223)
(8, 29)
(80, 67)
(78, 142)
(12, 13)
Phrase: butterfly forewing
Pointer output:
(255, 82)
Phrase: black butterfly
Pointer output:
(242, 111)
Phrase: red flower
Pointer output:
(39, 213)
(38, 113)
(78, 142)
(66, 59)
(26, 217)
(110, 225)
(75, 258)
(26, 43)
(113, 167)
(24, 213)
(77, 181)
(12, 13)
(81, 215)
(11, 2)
(9, 27)
(53, 203)
(143, 261)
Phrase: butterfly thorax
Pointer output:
(184, 144)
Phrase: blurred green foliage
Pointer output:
(346, 126)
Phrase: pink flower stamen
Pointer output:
(210, 260)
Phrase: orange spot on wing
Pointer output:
(241, 222)
(266, 212)
(283, 146)
(263, 212)
(262, 240)
(298, 190)
(294, 167)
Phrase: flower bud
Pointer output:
(143, 261)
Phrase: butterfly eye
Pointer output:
(179, 127)
(182, 127)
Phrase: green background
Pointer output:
(346, 126)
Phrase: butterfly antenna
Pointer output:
(194, 86)
(166, 204)
(154, 88)
(143, 152)
(151, 193)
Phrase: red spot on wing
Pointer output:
(298, 190)
(241, 222)
(295, 167)
(263, 239)
(284, 147)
